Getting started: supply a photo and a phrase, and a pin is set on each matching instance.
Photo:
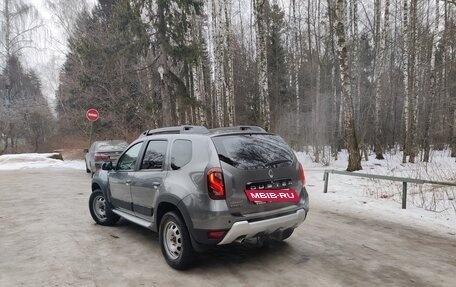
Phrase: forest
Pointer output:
(362, 75)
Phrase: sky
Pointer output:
(50, 46)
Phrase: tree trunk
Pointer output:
(430, 104)
(354, 158)
(167, 119)
(405, 68)
(296, 66)
(412, 100)
(260, 7)
(380, 66)
(356, 64)
(219, 55)
(229, 83)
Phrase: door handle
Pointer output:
(128, 181)
(155, 184)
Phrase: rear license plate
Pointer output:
(272, 195)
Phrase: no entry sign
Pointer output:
(92, 115)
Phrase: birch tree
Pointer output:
(434, 43)
(295, 60)
(229, 82)
(410, 104)
(380, 65)
(219, 55)
(405, 69)
(260, 8)
(354, 159)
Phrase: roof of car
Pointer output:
(201, 130)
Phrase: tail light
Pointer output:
(303, 176)
(215, 185)
(100, 156)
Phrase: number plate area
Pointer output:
(271, 191)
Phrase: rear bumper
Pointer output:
(245, 229)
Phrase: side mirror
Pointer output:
(107, 166)
(86, 150)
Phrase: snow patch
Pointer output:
(37, 160)
(429, 207)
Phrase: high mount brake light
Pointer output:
(216, 187)
(303, 176)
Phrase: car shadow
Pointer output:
(237, 254)
(216, 257)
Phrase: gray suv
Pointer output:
(198, 187)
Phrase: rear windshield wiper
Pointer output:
(276, 162)
(227, 160)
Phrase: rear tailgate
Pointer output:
(257, 162)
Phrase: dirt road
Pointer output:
(47, 238)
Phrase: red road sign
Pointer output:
(92, 115)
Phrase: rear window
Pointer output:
(253, 151)
(111, 146)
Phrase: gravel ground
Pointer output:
(47, 238)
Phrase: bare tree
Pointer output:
(354, 159)
(261, 7)
(19, 21)
(380, 65)
(411, 100)
(432, 78)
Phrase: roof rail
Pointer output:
(177, 130)
(239, 128)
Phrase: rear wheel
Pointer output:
(175, 242)
(100, 210)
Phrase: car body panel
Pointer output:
(119, 186)
(145, 188)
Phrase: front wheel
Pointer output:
(175, 242)
(100, 210)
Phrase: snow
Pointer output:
(430, 208)
(37, 160)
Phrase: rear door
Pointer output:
(121, 177)
(256, 162)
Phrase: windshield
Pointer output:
(253, 151)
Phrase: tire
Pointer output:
(175, 242)
(87, 168)
(100, 209)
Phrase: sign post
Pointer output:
(92, 115)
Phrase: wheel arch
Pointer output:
(168, 202)
(99, 184)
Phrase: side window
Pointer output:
(181, 154)
(128, 159)
(154, 157)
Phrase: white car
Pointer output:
(103, 151)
